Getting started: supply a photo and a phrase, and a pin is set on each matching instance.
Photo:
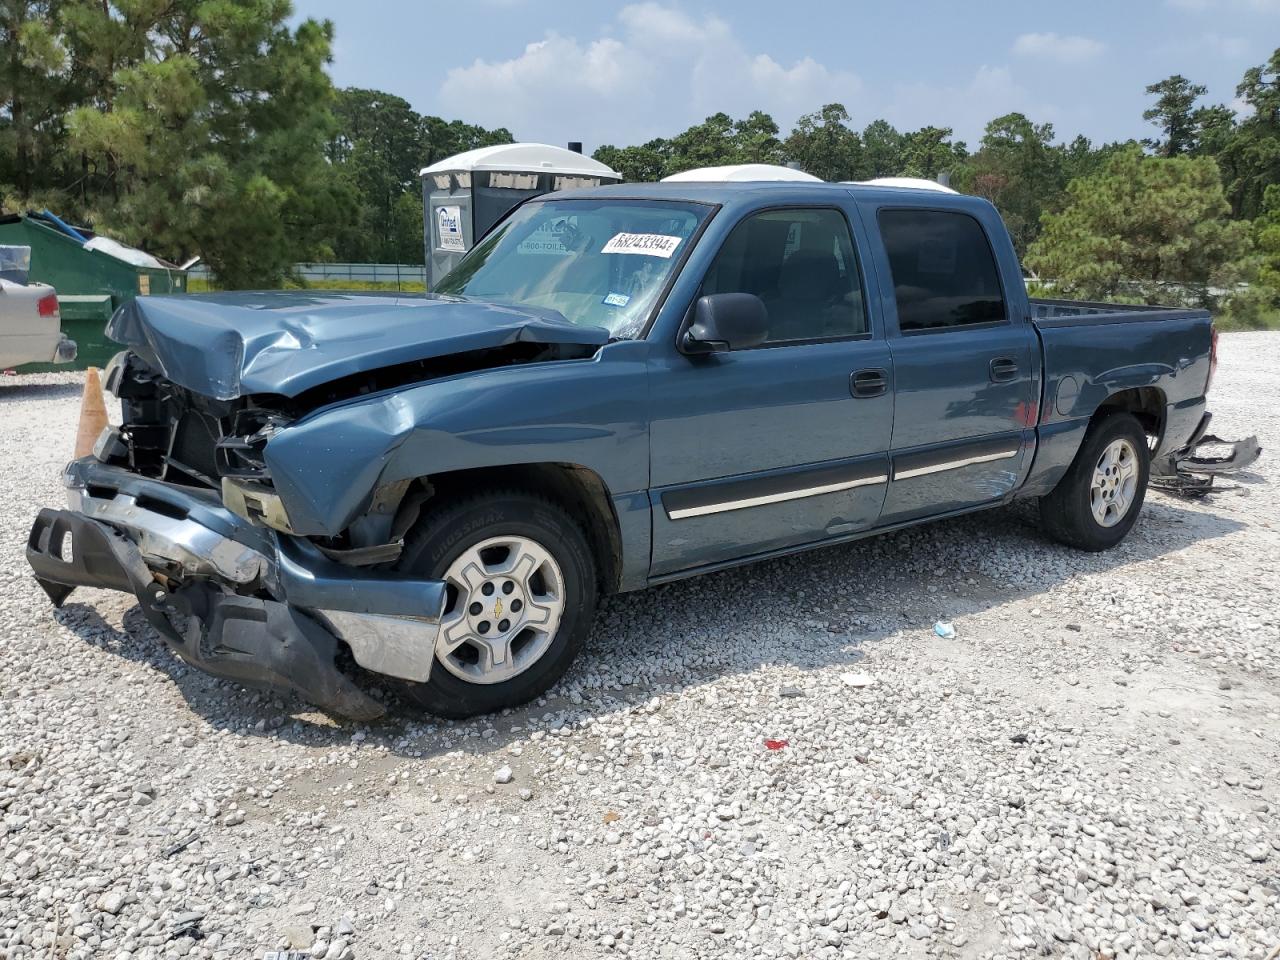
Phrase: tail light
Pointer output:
(47, 306)
(1213, 357)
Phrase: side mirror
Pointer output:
(726, 321)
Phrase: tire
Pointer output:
(546, 615)
(1097, 502)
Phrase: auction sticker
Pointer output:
(648, 244)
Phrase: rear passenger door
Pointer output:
(759, 450)
(966, 406)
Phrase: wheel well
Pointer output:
(578, 489)
(1147, 404)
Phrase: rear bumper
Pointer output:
(65, 351)
(231, 598)
(1187, 470)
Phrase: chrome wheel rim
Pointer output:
(506, 598)
(1115, 483)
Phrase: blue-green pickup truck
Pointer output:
(616, 387)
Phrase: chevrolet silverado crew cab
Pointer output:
(616, 387)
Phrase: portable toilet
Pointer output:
(905, 183)
(741, 172)
(466, 194)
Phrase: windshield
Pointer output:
(598, 262)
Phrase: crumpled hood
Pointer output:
(284, 342)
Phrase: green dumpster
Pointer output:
(91, 283)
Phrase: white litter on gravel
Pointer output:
(1070, 776)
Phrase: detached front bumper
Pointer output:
(229, 597)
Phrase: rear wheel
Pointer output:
(1098, 500)
(522, 595)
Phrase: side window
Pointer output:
(944, 274)
(801, 263)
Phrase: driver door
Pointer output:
(785, 444)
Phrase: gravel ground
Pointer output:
(781, 761)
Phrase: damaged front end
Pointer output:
(180, 505)
(230, 597)
(1190, 472)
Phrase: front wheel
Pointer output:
(521, 599)
(1098, 500)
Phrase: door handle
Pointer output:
(1003, 369)
(872, 382)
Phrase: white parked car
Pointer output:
(30, 324)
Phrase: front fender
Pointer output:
(590, 412)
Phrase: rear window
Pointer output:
(944, 273)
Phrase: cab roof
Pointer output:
(762, 193)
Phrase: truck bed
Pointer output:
(1068, 313)
(1158, 357)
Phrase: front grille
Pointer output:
(181, 437)
(191, 449)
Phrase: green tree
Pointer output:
(1266, 238)
(710, 143)
(717, 141)
(1251, 156)
(1080, 158)
(756, 139)
(33, 92)
(930, 151)
(640, 164)
(1151, 228)
(205, 131)
(1215, 129)
(1019, 170)
(378, 148)
(406, 229)
(439, 139)
(1175, 114)
(881, 151)
(823, 145)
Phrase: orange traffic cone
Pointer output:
(93, 414)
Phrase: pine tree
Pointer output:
(1142, 228)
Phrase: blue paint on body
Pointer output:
(652, 422)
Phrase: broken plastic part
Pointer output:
(1243, 454)
(1192, 475)
(257, 642)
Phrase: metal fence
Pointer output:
(391, 274)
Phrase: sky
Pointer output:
(623, 73)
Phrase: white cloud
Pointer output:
(1061, 48)
(1254, 6)
(967, 108)
(655, 71)
(1229, 48)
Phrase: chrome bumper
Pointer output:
(167, 536)
(65, 351)
(265, 608)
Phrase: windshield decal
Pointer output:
(617, 300)
(647, 244)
